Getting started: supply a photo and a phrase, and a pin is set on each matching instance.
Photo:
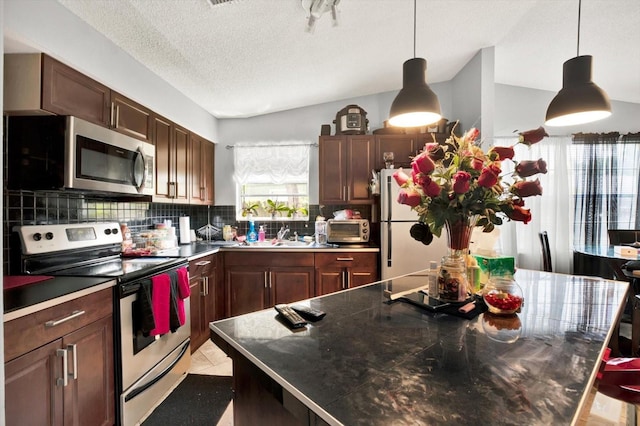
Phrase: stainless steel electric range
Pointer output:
(146, 366)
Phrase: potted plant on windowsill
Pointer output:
(250, 209)
(296, 211)
(275, 208)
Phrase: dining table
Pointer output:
(377, 359)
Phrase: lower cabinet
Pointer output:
(339, 271)
(255, 281)
(59, 365)
(205, 300)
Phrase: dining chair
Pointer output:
(620, 236)
(619, 378)
(546, 251)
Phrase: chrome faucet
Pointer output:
(283, 233)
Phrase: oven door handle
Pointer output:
(159, 377)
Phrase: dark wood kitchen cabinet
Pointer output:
(255, 281)
(339, 271)
(65, 91)
(131, 118)
(59, 365)
(345, 169)
(172, 161)
(206, 298)
(404, 148)
(202, 176)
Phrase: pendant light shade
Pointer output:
(580, 100)
(416, 104)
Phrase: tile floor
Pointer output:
(209, 359)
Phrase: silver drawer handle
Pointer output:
(73, 315)
(64, 380)
(345, 259)
(203, 263)
(74, 352)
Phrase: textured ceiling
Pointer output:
(248, 57)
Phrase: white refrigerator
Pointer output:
(400, 254)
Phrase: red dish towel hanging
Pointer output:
(161, 302)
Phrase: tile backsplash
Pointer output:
(60, 207)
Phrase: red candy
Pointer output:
(503, 301)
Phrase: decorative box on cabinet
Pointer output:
(337, 271)
(59, 364)
(345, 169)
(266, 280)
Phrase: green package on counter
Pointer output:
(494, 266)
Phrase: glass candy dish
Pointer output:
(503, 296)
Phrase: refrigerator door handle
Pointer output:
(389, 245)
(389, 201)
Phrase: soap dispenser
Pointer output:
(252, 237)
(261, 233)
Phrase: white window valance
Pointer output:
(273, 162)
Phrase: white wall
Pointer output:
(300, 124)
(466, 94)
(47, 26)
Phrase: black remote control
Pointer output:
(309, 313)
(290, 316)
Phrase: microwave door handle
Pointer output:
(138, 162)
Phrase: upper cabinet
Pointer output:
(131, 118)
(172, 161)
(403, 146)
(345, 166)
(202, 177)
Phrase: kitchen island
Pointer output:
(375, 362)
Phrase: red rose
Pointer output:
(431, 189)
(529, 168)
(400, 176)
(410, 197)
(471, 134)
(504, 152)
(533, 136)
(476, 163)
(423, 163)
(489, 176)
(461, 181)
(527, 188)
(434, 150)
(520, 214)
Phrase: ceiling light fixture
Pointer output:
(317, 8)
(416, 104)
(580, 100)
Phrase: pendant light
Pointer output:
(416, 104)
(580, 100)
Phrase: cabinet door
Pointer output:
(131, 118)
(404, 148)
(32, 396)
(360, 163)
(290, 284)
(333, 175)
(181, 165)
(89, 397)
(245, 290)
(164, 158)
(364, 270)
(197, 318)
(329, 280)
(202, 152)
(65, 91)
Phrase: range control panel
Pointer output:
(39, 239)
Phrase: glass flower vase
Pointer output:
(453, 283)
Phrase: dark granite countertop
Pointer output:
(375, 362)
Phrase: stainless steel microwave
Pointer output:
(65, 152)
(348, 231)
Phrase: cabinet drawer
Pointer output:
(349, 259)
(270, 259)
(26, 333)
(202, 266)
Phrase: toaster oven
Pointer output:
(348, 231)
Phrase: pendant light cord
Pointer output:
(414, 28)
(578, 46)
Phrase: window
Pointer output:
(272, 180)
(606, 173)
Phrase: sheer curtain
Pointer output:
(550, 212)
(272, 162)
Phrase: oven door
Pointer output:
(150, 366)
(101, 159)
